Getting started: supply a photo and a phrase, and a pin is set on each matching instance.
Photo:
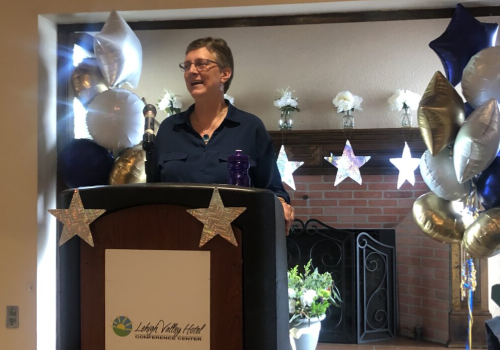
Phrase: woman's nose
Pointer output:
(192, 69)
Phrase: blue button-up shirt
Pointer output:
(181, 155)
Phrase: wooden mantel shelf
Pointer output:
(311, 146)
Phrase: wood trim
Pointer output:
(310, 146)
(322, 18)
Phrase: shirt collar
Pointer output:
(233, 114)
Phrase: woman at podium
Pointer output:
(194, 146)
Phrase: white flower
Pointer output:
(291, 306)
(164, 103)
(229, 98)
(402, 97)
(286, 100)
(345, 101)
(291, 293)
(169, 103)
(177, 103)
(357, 103)
(308, 297)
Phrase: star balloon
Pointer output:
(76, 220)
(463, 38)
(286, 168)
(217, 219)
(406, 166)
(348, 164)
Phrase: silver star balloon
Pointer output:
(348, 165)
(406, 166)
(286, 168)
(477, 142)
(118, 52)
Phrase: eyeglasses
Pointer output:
(199, 64)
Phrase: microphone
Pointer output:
(148, 140)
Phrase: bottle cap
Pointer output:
(238, 157)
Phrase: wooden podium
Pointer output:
(248, 283)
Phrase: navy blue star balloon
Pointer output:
(463, 38)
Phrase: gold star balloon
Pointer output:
(286, 168)
(406, 166)
(76, 220)
(348, 165)
(217, 219)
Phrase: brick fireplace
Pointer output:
(423, 275)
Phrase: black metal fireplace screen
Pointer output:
(363, 266)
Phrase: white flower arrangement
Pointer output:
(286, 103)
(229, 98)
(346, 101)
(170, 103)
(310, 294)
(404, 99)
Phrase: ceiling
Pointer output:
(272, 10)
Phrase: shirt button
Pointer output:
(201, 169)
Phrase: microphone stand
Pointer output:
(149, 164)
(148, 141)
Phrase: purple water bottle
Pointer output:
(238, 165)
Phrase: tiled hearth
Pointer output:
(396, 344)
(423, 264)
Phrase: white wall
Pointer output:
(47, 169)
(371, 60)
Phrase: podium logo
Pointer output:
(122, 326)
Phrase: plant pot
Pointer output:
(304, 333)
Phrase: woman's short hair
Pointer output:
(223, 54)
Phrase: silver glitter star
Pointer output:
(348, 165)
(217, 219)
(76, 220)
(286, 168)
(406, 166)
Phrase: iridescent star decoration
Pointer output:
(348, 165)
(217, 219)
(406, 166)
(286, 168)
(76, 220)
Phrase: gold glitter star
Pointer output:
(217, 219)
(76, 220)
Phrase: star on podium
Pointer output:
(286, 168)
(406, 166)
(348, 164)
(76, 220)
(217, 219)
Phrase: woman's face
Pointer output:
(209, 78)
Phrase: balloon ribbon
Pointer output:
(467, 287)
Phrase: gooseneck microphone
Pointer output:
(148, 140)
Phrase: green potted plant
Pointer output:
(309, 296)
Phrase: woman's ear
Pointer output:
(226, 74)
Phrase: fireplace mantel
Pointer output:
(310, 146)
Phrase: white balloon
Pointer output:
(481, 77)
(119, 52)
(477, 142)
(439, 174)
(115, 119)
